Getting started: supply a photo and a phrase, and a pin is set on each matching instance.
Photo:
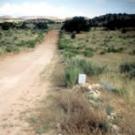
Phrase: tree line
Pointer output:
(114, 21)
(110, 21)
(27, 24)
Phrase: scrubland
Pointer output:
(105, 105)
(15, 40)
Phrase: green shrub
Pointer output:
(64, 45)
(123, 31)
(88, 53)
(14, 40)
(128, 69)
(11, 48)
(31, 43)
(73, 35)
(120, 92)
(76, 66)
(109, 110)
(107, 85)
(102, 52)
(86, 66)
(114, 50)
(131, 74)
(21, 43)
(68, 54)
(132, 52)
(111, 88)
(71, 75)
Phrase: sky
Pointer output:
(65, 8)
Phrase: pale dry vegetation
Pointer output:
(111, 50)
(15, 40)
(73, 110)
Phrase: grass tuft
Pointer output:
(79, 65)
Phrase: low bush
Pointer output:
(132, 52)
(88, 52)
(102, 52)
(73, 35)
(11, 49)
(107, 85)
(70, 113)
(120, 92)
(123, 31)
(114, 50)
(112, 88)
(76, 66)
(78, 116)
(71, 75)
(86, 66)
(64, 44)
(31, 43)
(14, 40)
(68, 55)
(109, 109)
(128, 69)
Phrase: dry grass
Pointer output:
(70, 113)
(15, 40)
(99, 41)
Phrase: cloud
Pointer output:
(37, 9)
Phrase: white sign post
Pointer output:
(82, 79)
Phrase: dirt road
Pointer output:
(20, 85)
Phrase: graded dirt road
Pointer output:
(20, 85)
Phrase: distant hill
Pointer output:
(109, 21)
(113, 21)
(25, 18)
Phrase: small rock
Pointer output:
(60, 134)
(58, 126)
(115, 129)
(112, 116)
(95, 93)
(96, 86)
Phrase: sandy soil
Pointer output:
(21, 86)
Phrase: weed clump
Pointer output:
(73, 35)
(78, 116)
(70, 113)
(114, 50)
(88, 52)
(78, 65)
(14, 40)
(128, 69)
(71, 75)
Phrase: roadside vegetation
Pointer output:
(105, 104)
(110, 51)
(15, 37)
(14, 40)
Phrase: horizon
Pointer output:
(64, 8)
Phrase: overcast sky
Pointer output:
(65, 8)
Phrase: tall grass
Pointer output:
(78, 65)
(128, 69)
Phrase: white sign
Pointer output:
(82, 79)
